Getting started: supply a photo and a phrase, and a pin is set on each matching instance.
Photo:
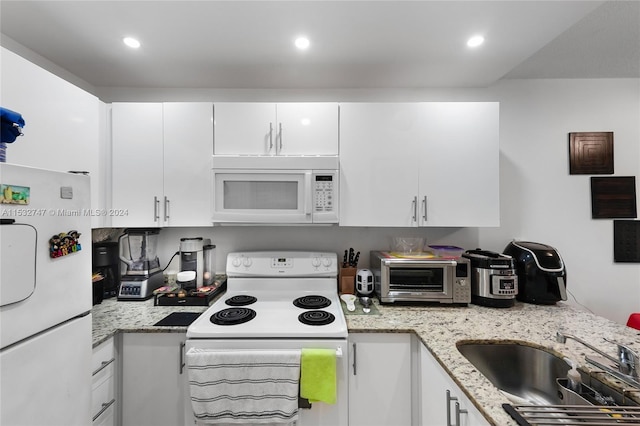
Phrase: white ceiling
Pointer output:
(354, 44)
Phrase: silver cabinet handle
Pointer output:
(458, 412)
(156, 207)
(105, 406)
(103, 366)
(458, 409)
(449, 399)
(424, 207)
(182, 363)
(270, 136)
(354, 359)
(280, 134)
(414, 204)
(166, 208)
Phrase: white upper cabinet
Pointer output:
(161, 172)
(137, 174)
(379, 164)
(419, 164)
(188, 146)
(459, 164)
(276, 129)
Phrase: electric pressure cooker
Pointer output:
(493, 278)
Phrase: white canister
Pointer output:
(364, 282)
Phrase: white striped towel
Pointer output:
(244, 387)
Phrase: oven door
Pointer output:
(415, 281)
(262, 196)
(320, 414)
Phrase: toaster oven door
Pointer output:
(422, 282)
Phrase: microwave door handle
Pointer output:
(309, 194)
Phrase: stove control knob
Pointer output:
(247, 261)
(236, 262)
(315, 262)
(326, 261)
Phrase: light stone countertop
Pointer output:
(439, 327)
(112, 316)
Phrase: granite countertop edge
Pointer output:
(438, 327)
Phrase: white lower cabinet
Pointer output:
(441, 401)
(154, 380)
(103, 385)
(380, 379)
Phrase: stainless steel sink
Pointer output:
(524, 371)
(535, 382)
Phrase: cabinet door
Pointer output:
(459, 170)
(137, 164)
(379, 163)
(436, 406)
(243, 128)
(380, 379)
(307, 128)
(188, 147)
(154, 382)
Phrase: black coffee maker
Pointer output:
(106, 262)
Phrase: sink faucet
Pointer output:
(627, 362)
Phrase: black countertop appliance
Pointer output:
(493, 278)
(542, 276)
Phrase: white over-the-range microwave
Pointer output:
(275, 189)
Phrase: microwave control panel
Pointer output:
(324, 193)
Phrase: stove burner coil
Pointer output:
(316, 317)
(233, 316)
(241, 300)
(312, 302)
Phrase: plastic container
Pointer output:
(408, 245)
(209, 269)
(447, 251)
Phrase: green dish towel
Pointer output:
(318, 375)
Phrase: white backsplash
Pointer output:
(322, 238)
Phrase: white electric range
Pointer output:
(280, 300)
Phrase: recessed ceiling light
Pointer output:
(475, 41)
(302, 43)
(131, 42)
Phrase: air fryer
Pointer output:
(542, 276)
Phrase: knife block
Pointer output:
(347, 280)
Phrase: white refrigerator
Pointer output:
(45, 297)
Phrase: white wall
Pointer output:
(541, 201)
